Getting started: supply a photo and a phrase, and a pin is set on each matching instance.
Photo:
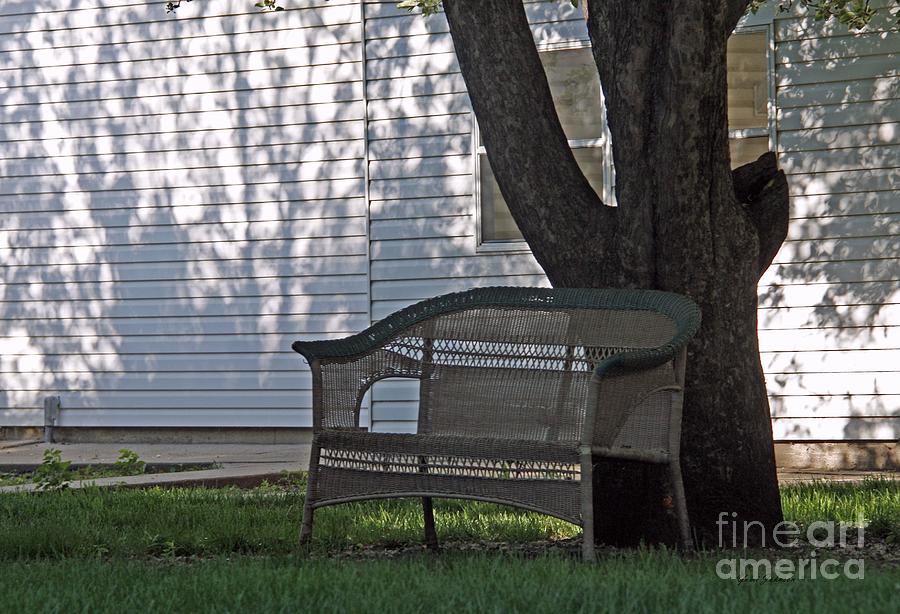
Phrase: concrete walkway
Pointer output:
(241, 464)
(238, 464)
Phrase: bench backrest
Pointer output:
(519, 372)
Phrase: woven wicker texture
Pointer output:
(517, 385)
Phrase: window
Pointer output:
(575, 87)
(748, 95)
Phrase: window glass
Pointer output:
(747, 149)
(748, 86)
(497, 223)
(575, 86)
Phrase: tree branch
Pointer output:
(763, 189)
(561, 217)
(735, 10)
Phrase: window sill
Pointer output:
(503, 247)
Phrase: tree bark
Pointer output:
(680, 225)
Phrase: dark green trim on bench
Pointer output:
(683, 311)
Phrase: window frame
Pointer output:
(770, 130)
(603, 143)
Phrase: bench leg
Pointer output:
(588, 552)
(431, 539)
(681, 513)
(306, 527)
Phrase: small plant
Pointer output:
(129, 463)
(53, 473)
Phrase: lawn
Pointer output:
(232, 550)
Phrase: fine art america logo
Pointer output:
(819, 535)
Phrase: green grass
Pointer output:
(230, 550)
(640, 582)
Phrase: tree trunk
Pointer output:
(683, 223)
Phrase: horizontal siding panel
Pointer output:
(840, 159)
(835, 429)
(412, 167)
(262, 381)
(187, 214)
(207, 269)
(460, 266)
(233, 191)
(421, 228)
(32, 416)
(212, 250)
(168, 27)
(838, 249)
(264, 172)
(844, 69)
(401, 47)
(805, 25)
(157, 363)
(848, 406)
(850, 114)
(419, 106)
(840, 92)
(426, 64)
(421, 207)
(837, 47)
(152, 344)
(422, 248)
(405, 25)
(877, 225)
(110, 123)
(398, 294)
(389, 426)
(140, 13)
(879, 314)
(72, 401)
(865, 338)
(185, 85)
(210, 98)
(189, 233)
(172, 289)
(421, 187)
(828, 294)
(327, 50)
(141, 161)
(124, 68)
(261, 306)
(834, 138)
(419, 147)
(420, 85)
(835, 392)
(420, 126)
(853, 271)
(249, 136)
(200, 324)
(292, 415)
(845, 181)
(398, 414)
(834, 361)
(113, 120)
(816, 205)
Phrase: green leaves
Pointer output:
(268, 5)
(855, 14)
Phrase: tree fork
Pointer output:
(526, 145)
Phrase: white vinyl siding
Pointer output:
(423, 228)
(830, 304)
(183, 197)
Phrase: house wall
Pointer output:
(184, 197)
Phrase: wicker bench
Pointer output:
(519, 388)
